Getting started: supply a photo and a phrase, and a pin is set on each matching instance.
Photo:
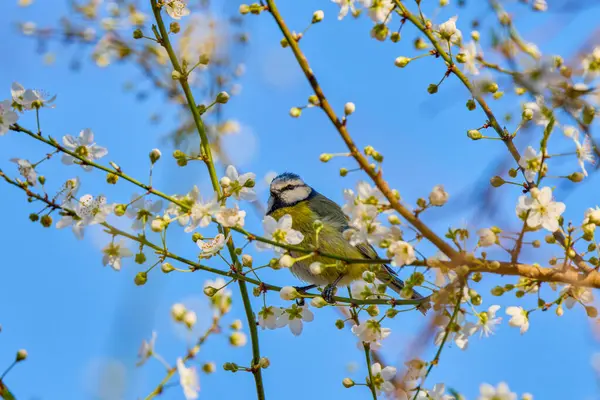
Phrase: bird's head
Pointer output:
(287, 189)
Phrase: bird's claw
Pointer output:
(328, 293)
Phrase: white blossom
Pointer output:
(486, 322)
(177, 9)
(147, 349)
(30, 98)
(383, 377)
(210, 248)
(142, 210)
(89, 211)
(519, 318)
(362, 290)
(239, 186)
(402, 253)
(469, 51)
(530, 161)
(182, 213)
(231, 217)
(487, 237)
(188, 379)
(202, 213)
(84, 147)
(576, 294)
(438, 196)
(543, 211)
(288, 293)
(280, 231)
(501, 392)
(26, 169)
(591, 64)
(293, 317)
(7, 116)
(370, 331)
(540, 111)
(584, 153)
(267, 317)
(345, 6)
(380, 11)
(114, 252)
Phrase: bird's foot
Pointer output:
(302, 290)
(328, 293)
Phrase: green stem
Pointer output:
(368, 358)
(436, 358)
(206, 154)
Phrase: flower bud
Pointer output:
(497, 291)
(264, 362)
(559, 311)
(438, 196)
(461, 58)
(348, 383)
(137, 34)
(373, 310)
(395, 37)
(238, 339)
(368, 276)
(204, 59)
(21, 355)
(210, 291)
(140, 258)
(222, 97)
(471, 105)
(527, 114)
(325, 157)
(33, 217)
(339, 324)
(576, 177)
(349, 108)
(167, 267)
(189, 319)
(175, 75)
(141, 278)
(288, 293)
(174, 27)
(492, 87)
(318, 16)
(318, 302)
(474, 134)
(286, 261)
(497, 181)
(229, 366)
(111, 178)
(178, 311)
(432, 88)
(475, 35)
(46, 221)
(247, 260)
(295, 112)
(316, 268)
(313, 99)
(154, 155)
(209, 367)
(158, 224)
(244, 9)
(120, 209)
(402, 62)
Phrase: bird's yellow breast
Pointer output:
(331, 241)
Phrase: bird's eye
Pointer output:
(287, 187)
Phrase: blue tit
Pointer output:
(290, 195)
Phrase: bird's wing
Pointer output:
(330, 211)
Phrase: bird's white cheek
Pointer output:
(295, 195)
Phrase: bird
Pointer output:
(289, 194)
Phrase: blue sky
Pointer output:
(75, 317)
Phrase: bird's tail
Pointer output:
(388, 276)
